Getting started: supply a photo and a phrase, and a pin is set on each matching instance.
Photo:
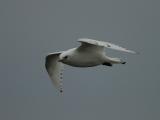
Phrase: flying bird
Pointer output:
(90, 53)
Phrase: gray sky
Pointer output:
(31, 28)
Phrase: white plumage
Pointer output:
(90, 53)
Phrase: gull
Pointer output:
(90, 53)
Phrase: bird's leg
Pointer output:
(107, 64)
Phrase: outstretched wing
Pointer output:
(54, 69)
(87, 42)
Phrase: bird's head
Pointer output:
(64, 57)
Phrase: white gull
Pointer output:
(90, 53)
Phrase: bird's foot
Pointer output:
(123, 62)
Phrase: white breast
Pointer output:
(84, 59)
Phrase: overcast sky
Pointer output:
(29, 29)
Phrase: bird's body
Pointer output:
(90, 53)
(88, 58)
(79, 58)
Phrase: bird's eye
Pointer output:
(65, 57)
